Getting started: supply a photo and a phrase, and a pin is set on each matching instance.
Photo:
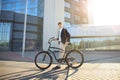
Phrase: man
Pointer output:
(64, 39)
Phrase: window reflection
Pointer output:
(13, 11)
(67, 4)
(67, 24)
(67, 14)
(35, 7)
(97, 43)
(4, 34)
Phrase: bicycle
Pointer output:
(43, 60)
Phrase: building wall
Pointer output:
(35, 7)
(53, 13)
(56, 10)
(13, 13)
(34, 30)
(78, 12)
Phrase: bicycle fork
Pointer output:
(44, 58)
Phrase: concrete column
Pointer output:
(53, 13)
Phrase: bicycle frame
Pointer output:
(67, 58)
(55, 49)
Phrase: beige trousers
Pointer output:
(62, 46)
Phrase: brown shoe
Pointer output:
(67, 67)
(57, 67)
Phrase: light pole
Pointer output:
(0, 5)
(24, 30)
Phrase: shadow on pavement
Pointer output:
(89, 56)
(36, 74)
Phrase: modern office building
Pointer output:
(41, 24)
(42, 18)
(70, 12)
(75, 12)
(12, 17)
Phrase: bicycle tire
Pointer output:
(71, 56)
(44, 55)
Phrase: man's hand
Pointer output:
(55, 39)
(68, 43)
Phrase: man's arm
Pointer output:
(67, 35)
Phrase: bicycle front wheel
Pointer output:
(43, 60)
(74, 58)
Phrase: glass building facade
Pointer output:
(5, 35)
(12, 15)
(75, 12)
(96, 42)
(87, 37)
(35, 7)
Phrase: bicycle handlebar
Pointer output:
(51, 39)
(54, 39)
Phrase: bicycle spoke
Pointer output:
(74, 59)
(43, 60)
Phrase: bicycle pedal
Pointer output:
(62, 61)
(70, 59)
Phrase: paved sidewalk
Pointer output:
(89, 56)
(17, 56)
(99, 65)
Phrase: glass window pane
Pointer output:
(67, 24)
(67, 14)
(67, 4)
(4, 34)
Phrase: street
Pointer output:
(102, 67)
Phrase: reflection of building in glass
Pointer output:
(35, 7)
(96, 42)
(72, 12)
(12, 23)
(4, 34)
(95, 38)
(75, 12)
(12, 15)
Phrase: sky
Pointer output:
(106, 19)
(105, 12)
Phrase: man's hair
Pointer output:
(59, 23)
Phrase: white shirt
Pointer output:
(59, 35)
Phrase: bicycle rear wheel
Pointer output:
(43, 60)
(74, 58)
